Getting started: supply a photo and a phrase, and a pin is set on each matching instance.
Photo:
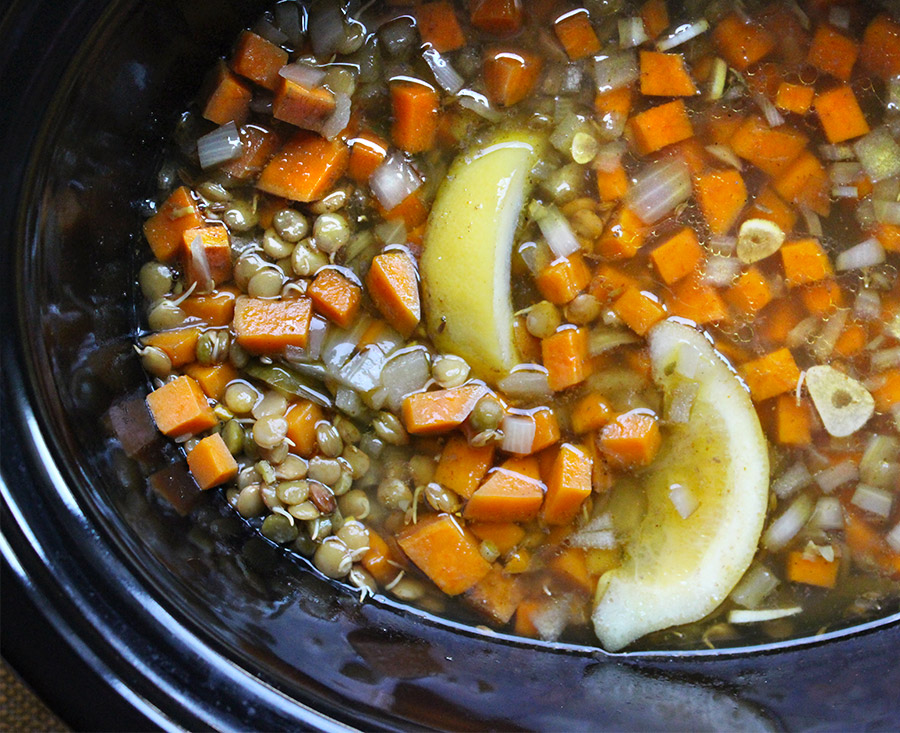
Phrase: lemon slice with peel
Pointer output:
(678, 569)
(465, 264)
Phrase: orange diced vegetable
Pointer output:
(832, 52)
(379, 560)
(821, 298)
(751, 293)
(214, 309)
(696, 300)
(393, 285)
(258, 60)
(445, 552)
(439, 26)
(335, 296)
(546, 429)
(771, 375)
(868, 545)
(623, 236)
(889, 236)
(500, 17)
(655, 16)
(563, 279)
(415, 115)
(504, 535)
(496, 595)
(631, 440)
(214, 247)
(852, 340)
(267, 326)
(779, 320)
(258, 145)
(411, 210)
(638, 310)
(665, 75)
(164, 229)
(840, 115)
(229, 99)
(576, 34)
(211, 463)
(179, 344)
(528, 609)
(886, 390)
(462, 466)
(306, 107)
(508, 494)
(721, 195)
(565, 356)
(571, 566)
(791, 421)
(180, 408)
(518, 561)
(742, 44)
(426, 413)
(805, 182)
(591, 412)
(510, 74)
(568, 486)
(306, 168)
(768, 205)
(302, 418)
(811, 570)
(613, 107)
(609, 283)
(795, 98)
(212, 378)
(677, 256)
(367, 152)
(880, 51)
(771, 149)
(804, 261)
(660, 126)
(612, 185)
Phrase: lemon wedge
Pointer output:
(676, 568)
(465, 264)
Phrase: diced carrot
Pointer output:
(564, 355)
(720, 123)
(823, 297)
(568, 486)
(214, 309)
(512, 493)
(591, 412)
(500, 17)
(886, 390)
(257, 59)
(811, 570)
(889, 236)
(427, 413)
(765, 79)
(335, 296)
(211, 463)
(623, 236)
(519, 561)
(302, 106)
(527, 611)
(306, 168)
(639, 310)
(665, 75)
(528, 346)
(563, 279)
(751, 293)
(212, 378)
(631, 440)
(505, 535)
(510, 74)
(880, 50)
(612, 185)
(721, 195)
(768, 205)
(412, 210)
(660, 126)
(771, 149)
(867, 544)
(697, 301)
(655, 16)
(570, 565)
(228, 99)
(546, 428)
(795, 98)
(415, 115)
(609, 283)
(302, 418)
(258, 145)
(805, 182)
(779, 320)
(445, 552)
(214, 245)
(792, 421)
(367, 152)
(462, 466)
(613, 107)
(771, 375)
(379, 560)
(576, 34)
(268, 326)
(852, 340)
(179, 344)
(496, 595)
(180, 408)
(840, 115)
(742, 44)
(832, 52)
(804, 261)
(164, 229)
(677, 256)
(439, 26)
(393, 285)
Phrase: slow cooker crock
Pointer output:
(127, 616)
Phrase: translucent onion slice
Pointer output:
(828, 514)
(893, 537)
(444, 74)
(616, 71)
(682, 34)
(683, 500)
(865, 254)
(875, 501)
(792, 480)
(837, 475)
(631, 32)
(756, 585)
(394, 180)
(741, 616)
(555, 228)
(518, 434)
(659, 188)
(219, 146)
(788, 524)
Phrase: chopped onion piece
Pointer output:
(741, 616)
(756, 585)
(792, 480)
(479, 104)
(363, 371)
(201, 264)
(865, 254)
(552, 618)
(349, 402)
(865, 214)
(837, 475)
(769, 110)
(844, 192)
(875, 501)
(722, 244)
(844, 173)
(802, 333)
(340, 344)
(288, 20)
(682, 34)
(596, 534)
(785, 527)
(721, 271)
(683, 499)
(887, 212)
(394, 180)
(659, 188)
(609, 156)
(726, 155)
(879, 154)
(631, 32)
(893, 537)
(444, 74)
(616, 71)
(836, 152)
(812, 220)
(828, 514)
(881, 450)
(392, 231)
(518, 434)
(885, 359)
(839, 17)
(271, 33)
(887, 190)
(526, 383)
(339, 119)
(556, 229)
(601, 340)
(303, 74)
(868, 305)
(219, 146)
(893, 89)
(842, 402)
(717, 78)
(407, 371)
(829, 335)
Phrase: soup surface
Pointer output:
(566, 320)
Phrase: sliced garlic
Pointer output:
(842, 402)
(758, 239)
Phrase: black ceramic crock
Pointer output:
(125, 615)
